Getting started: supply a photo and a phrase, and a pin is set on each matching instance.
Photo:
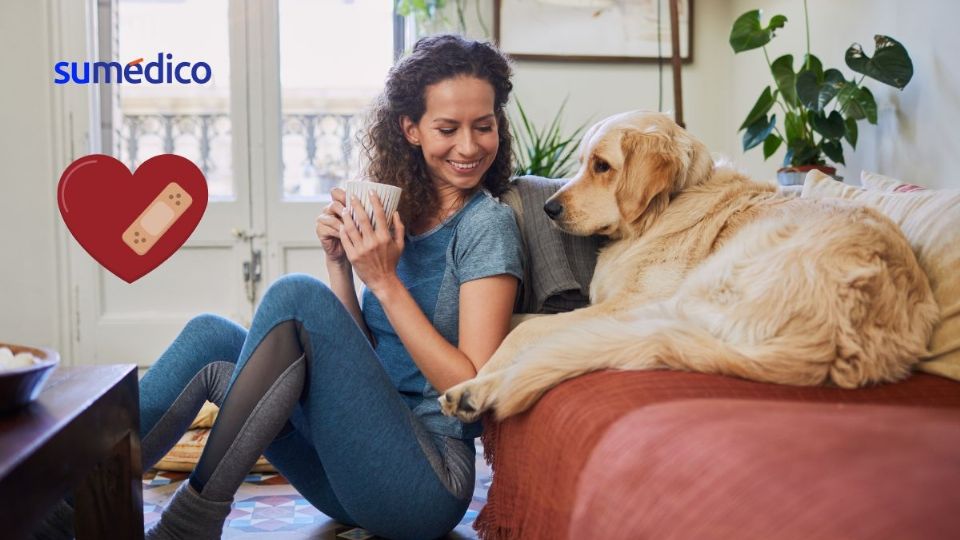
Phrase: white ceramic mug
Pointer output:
(389, 197)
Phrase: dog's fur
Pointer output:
(708, 271)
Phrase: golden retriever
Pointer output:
(709, 271)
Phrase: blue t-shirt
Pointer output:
(481, 240)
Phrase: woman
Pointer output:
(341, 398)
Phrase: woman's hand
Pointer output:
(329, 223)
(373, 253)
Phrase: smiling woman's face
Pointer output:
(458, 132)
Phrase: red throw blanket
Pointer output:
(537, 457)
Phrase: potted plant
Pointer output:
(819, 106)
(544, 151)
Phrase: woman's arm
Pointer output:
(485, 308)
(341, 283)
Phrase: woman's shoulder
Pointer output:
(487, 223)
(487, 241)
(488, 213)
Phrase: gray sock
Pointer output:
(188, 516)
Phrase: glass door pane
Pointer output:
(334, 57)
(192, 120)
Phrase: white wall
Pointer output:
(28, 209)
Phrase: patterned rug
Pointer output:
(267, 506)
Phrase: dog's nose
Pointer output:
(553, 208)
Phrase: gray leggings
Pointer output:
(304, 387)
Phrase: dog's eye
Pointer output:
(600, 166)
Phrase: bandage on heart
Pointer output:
(157, 218)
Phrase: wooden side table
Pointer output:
(82, 433)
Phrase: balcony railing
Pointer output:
(319, 150)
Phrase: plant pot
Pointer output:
(794, 176)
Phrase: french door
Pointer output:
(273, 131)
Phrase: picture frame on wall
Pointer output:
(591, 30)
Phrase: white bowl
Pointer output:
(20, 386)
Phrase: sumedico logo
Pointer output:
(165, 70)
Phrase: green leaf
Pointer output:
(812, 63)
(782, 69)
(758, 131)
(770, 145)
(808, 90)
(857, 102)
(833, 81)
(816, 92)
(794, 128)
(869, 104)
(831, 127)
(420, 6)
(846, 99)
(833, 150)
(747, 33)
(403, 7)
(890, 64)
(760, 108)
(851, 132)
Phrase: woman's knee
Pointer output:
(295, 290)
(210, 324)
(219, 333)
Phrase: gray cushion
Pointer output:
(558, 266)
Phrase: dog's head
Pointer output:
(630, 165)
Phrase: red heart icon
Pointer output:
(131, 223)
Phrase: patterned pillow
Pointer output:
(930, 219)
(185, 455)
(206, 416)
(879, 182)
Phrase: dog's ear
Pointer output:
(696, 164)
(651, 170)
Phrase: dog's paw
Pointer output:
(467, 401)
(521, 386)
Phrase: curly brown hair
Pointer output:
(390, 159)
